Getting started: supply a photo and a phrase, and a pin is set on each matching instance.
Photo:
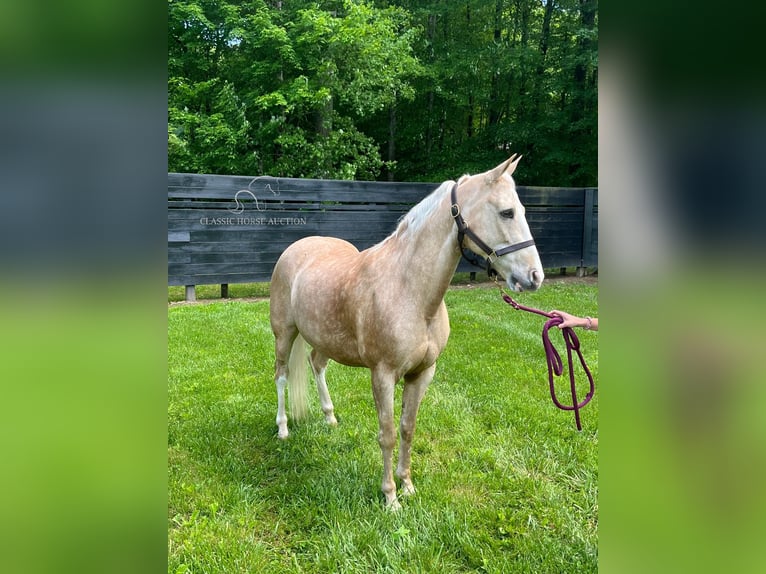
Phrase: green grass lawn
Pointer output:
(505, 483)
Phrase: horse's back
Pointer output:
(314, 252)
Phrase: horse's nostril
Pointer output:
(536, 276)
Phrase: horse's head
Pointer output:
(491, 208)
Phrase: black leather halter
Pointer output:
(490, 254)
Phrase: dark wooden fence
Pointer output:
(231, 229)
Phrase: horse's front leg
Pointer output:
(414, 388)
(383, 382)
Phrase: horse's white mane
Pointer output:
(415, 217)
(413, 220)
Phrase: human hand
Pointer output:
(569, 320)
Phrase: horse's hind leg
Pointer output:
(319, 366)
(283, 344)
(414, 388)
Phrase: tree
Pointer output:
(294, 82)
(502, 76)
(415, 90)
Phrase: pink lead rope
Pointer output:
(553, 358)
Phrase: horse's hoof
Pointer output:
(408, 489)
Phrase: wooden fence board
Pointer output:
(217, 235)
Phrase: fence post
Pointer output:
(587, 226)
(224, 290)
(191, 294)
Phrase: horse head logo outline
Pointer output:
(240, 208)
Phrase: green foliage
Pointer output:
(344, 89)
(211, 132)
(342, 154)
(505, 482)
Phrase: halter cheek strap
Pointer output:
(463, 230)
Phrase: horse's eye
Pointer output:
(508, 214)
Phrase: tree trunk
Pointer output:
(391, 139)
(523, 42)
(469, 126)
(588, 20)
(324, 119)
(429, 128)
(431, 35)
(495, 110)
(323, 124)
(545, 36)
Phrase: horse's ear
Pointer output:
(513, 162)
(508, 166)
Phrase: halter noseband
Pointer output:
(463, 230)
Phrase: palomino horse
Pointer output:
(383, 308)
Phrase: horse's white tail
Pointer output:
(297, 379)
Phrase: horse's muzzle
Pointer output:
(531, 282)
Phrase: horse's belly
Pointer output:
(340, 350)
(405, 348)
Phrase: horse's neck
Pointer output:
(423, 258)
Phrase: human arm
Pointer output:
(587, 323)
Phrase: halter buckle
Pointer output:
(455, 210)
